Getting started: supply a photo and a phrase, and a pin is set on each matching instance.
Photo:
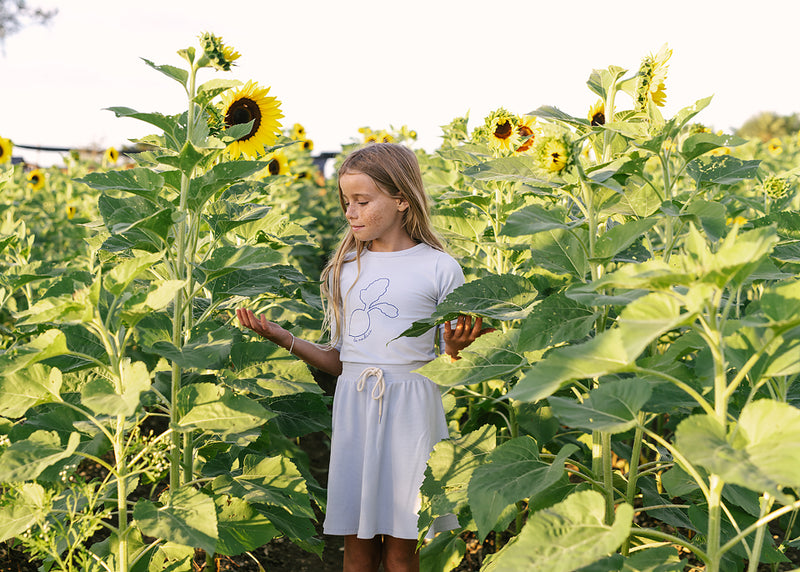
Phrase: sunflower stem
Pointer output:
(178, 305)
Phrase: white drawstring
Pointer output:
(379, 388)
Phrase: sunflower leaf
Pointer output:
(139, 181)
(212, 88)
(178, 74)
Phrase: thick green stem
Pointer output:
(122, 496)
(608, 476)
(178, 303)
(766, 504)
(633, 472)
(715, 485)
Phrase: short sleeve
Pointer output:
(449, 276)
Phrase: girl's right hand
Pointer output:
(263, 327)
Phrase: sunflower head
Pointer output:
(5, 150)
(501, 128)
(597, 113)
(278, 164)
(246, 104)
(36, 179)
(776, 188)
(110, 156)
(652, 77)
(219, 55)
(775, 146)
(308, 145)
(298, 132)
(526, 130)
(552, 149)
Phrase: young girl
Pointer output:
(389, 270)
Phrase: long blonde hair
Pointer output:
(395, 170)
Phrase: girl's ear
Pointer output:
(402, 205)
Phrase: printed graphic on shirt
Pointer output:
(372, 308)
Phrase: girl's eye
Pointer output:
(362, 204)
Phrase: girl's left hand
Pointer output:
(464, 333)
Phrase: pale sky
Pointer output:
(340, 65)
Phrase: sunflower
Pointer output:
(502, 130)
(775, 146)
(219, 55)
(385, 137)
(526, 131)
(251, 103)
(110, 156)
(298, 132)
(5, 150)
(652, 75)
(597, 113)
(71, 210)
(308, 145)
(278, 164)
(776, 187)
(552, 149)
(36, 179)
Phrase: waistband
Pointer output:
(354, 369)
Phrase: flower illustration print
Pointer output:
(361, 318)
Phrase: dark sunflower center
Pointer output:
(35, 179)
(2, 151)
(525, 131)
(244, 111)
(599, 118)
(274, 167)
(503, 130)
(556, 156)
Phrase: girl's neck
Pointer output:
(401, 241)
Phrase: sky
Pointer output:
(340, 65)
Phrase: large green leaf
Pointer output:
(503, 297)
(205, 351)
(273, 481)
(516, 169)
(254, 282)
(25, 460)
(565, 536)
(103, 398)
(46, 345)
(209, 407)
(186, 516)
(535, 218)
(561, 251)
(223, 216)
(299, 414)
(781, 303)
(245, 257)
(159, 295)
(124, 272)
(241, 528)
(611, 351)
(139, 181)
(721, 170)
(555, 320)
(761, 452)
(450, 468)
(445, 552)
(701, 143)
(31, 386)
(170, 124)
(612, 407)
(218, 178)
(29, 506)
(492, 356)
(513, 473)
(178, 74)
(620, 237)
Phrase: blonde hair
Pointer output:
(395, 170)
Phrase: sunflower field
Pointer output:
(636, 407)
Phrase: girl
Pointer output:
(389, 270)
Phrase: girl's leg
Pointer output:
(362, 555)
(400, 555)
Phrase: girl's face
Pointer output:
(373, 215)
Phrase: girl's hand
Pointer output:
(264, 328)
(465, 332)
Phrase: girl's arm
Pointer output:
(326, 359)
(465, 332)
